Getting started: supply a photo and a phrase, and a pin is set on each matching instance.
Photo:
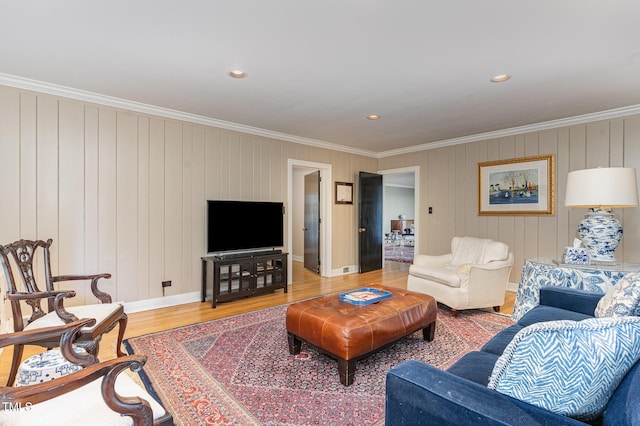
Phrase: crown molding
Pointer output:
(512, 131)
(82, 95)
(85, 96)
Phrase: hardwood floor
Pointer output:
(305, 285)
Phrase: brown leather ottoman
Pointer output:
(349, 332)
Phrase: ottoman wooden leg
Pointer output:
(429, 332)
(347, 371)
(295, 344)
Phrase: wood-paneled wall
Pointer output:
(125, 193)
(450, 185)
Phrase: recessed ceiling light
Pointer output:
(373, 117)
(237, 74)
(500, 78)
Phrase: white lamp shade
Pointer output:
(605, 187)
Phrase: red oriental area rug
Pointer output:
(399, 253)
(238, 370)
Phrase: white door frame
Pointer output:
(325, 213)
(416, 206)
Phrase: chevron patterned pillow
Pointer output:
(568, 367)
(622, 299)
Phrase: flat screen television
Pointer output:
(244, 225)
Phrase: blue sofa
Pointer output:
(417, 393)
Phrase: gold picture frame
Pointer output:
(517, 187)
(344, 193)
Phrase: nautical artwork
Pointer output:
(514, 187)
(519, 186)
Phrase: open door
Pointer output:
(312, 222)
(370, 221)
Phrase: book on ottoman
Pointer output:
(364, 296)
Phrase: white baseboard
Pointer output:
(181, 299)
(297, 258)
(345, 270)
(161, 302)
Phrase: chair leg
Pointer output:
(122, 325)
(15, 363)
(454, 313)
(496, 308)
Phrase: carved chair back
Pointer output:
(22, 255)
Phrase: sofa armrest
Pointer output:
(428, 260)
(571, 299)
(418, 393)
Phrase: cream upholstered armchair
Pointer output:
(474, 275)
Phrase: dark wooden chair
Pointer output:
(23, 291)
(81, 396)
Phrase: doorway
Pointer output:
(297, 169)
(401, 213)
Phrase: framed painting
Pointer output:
(520, 186)
(344, 193)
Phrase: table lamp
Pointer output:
(600, 190)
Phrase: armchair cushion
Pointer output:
(468, 250)
(45, 366)
(567, 367)
(80, 406)
(622, 299)
(495, 251)
(447, 275)
(477, 250)
(99, 311)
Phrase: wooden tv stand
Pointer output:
(245, 275)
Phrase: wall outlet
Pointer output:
(166, 284)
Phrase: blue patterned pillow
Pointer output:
(622, 299)
(568, 367)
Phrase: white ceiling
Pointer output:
(316, 69)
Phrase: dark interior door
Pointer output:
(312, 221)
(370, 221)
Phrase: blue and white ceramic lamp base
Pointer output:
(600, 232)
